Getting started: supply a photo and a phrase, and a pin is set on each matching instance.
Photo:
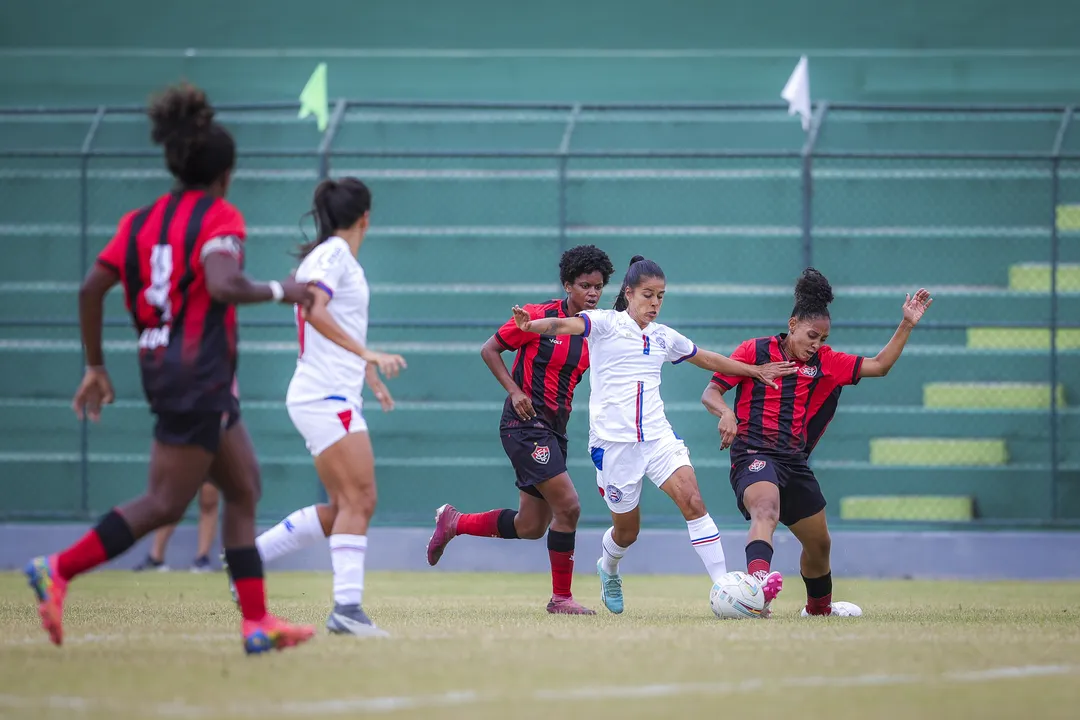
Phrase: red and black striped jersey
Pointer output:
(791, 420)
(187, 340)
(547, 367)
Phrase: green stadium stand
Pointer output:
(991, 395)
(917, 508)
(937, 452)
(1035, 277)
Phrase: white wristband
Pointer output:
(276, 290)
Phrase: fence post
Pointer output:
(807, 182)
(84, 259)
(328, 137)
(564, 153)
(1055, 192)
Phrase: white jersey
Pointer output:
(624, 402)
(323, 368)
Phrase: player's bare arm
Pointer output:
(96, 388)
(713, 400)
(548, 326)
(227, 283)
(319, 317)
(882, 363)
(492, 354)
(767, 373)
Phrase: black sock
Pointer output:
(758, 557)
(115, 534)
(505, 524)
(244, 563)
(819, 587)
(561, 541)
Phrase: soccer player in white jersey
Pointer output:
(629, 435)
(324, 399)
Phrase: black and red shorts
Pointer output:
(203, 428)
(537, 454)
(800, 493)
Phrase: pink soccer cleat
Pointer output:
(567, 605)
(273, 633)
(771, 585)
(50, 588)
(446, 519)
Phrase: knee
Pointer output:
(208, 506)
(818, 548)
(626, 536)
(245, 494)
(167, 508)
(765, 510)
(356, 497)
(693, 506)
(529, 528)
(569, 513)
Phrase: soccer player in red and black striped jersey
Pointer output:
(179, 260)
(772, 433)
(540, 391)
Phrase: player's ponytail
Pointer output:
(198, 151)
(639, 269)
(337, 205)
(813, 293)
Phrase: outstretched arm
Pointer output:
(882, 363)
(716, 362)
(319, 317)
(549, 326)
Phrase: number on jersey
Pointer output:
(161, 270)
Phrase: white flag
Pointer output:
(797, 92)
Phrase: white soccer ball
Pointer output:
(737, 595)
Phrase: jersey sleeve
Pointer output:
(679, 347)
(511, 337)
(112, 256)
(325, 266)
(598, 323)
(841, 367)
(745, 354)
(223, 231)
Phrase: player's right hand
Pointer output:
(770, 371)
(389, 364)
(94, 391)
(728, 427)
(522, 405)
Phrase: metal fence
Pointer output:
(982, 202)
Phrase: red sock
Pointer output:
(252, 595)
(819, 606)
(562, 572)
(479, 524)
(86, 554)
(758, 568)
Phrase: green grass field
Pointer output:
(480, 645)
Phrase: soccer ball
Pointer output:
(737, 595)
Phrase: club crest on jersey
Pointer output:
(541, 454)
(756, 466)
(660, 342)
(808, 371)
(614, 494)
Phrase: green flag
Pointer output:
(313, 98)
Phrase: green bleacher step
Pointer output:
(938, 451)
(996, 338)
(991, 395)
(1035, 277)
(947, 508)
(1068, 217)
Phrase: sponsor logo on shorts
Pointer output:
(808, 370)
(614, 494)
(541, 454)
(756, 466)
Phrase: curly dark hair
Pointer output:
(813, 293)
(198, 151)
(583, 260)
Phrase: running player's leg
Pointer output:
(620, 468)
(177, 468)
(347, 471)
(296, 531)
(235, 471)
(209, 498)
(564, 509)
(756, 481)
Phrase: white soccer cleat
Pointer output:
(839, 609)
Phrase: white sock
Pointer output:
(706, 541)
(347, 553)
(613, 553)
(294, 532)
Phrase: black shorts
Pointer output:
(537, 454)
(202, 428)
(800, 493)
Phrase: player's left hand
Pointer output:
(914, 307)
(728, 427)
(382, 394)
(94, 391)
(521, 319)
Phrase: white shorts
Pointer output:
(323, 422)
(620, 467)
